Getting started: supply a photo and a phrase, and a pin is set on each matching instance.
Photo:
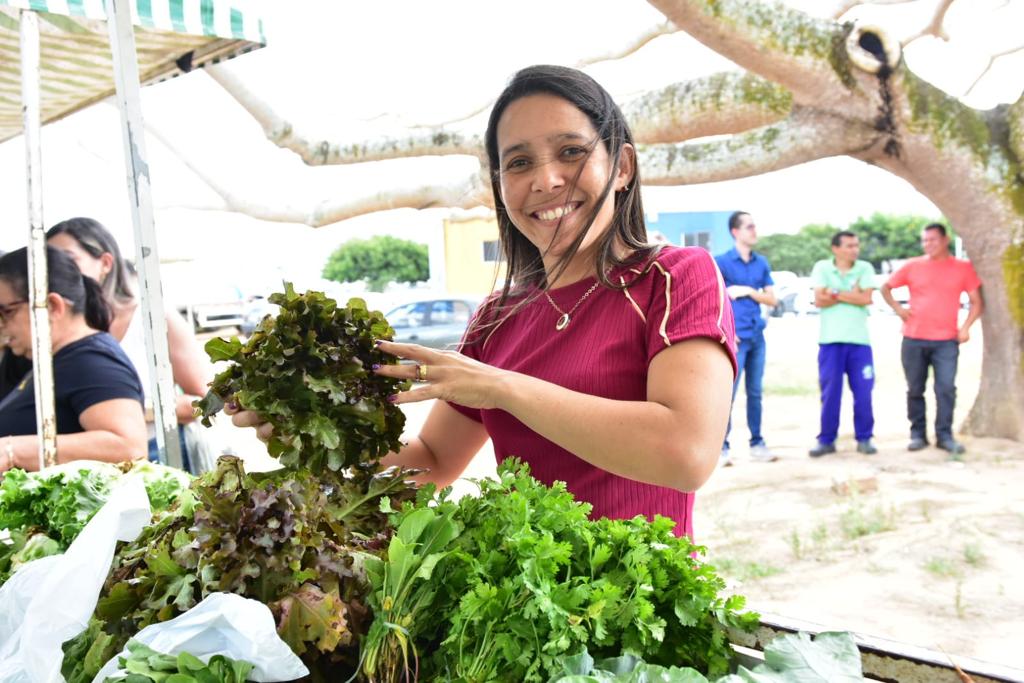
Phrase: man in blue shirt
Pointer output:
(748, 282)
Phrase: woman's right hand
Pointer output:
(247, 418)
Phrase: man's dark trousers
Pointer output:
(942, 356)
(856, 363)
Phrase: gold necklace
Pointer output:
(563, 321)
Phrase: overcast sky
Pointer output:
(346, 69)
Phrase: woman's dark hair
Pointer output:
(96, 240)
(525, 267)
(63, 278)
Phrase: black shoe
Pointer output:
(917, 444)
(822, 449)
(866, 447)
(955, 448)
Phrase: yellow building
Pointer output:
(471, 256)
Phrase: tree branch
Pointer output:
(845, 6)
(467, 194)
(804, 136)
(804, 54)
(728, 102)
(435, 141)
(662, 29)
(935, 26)
(988, 67)
(471, 191)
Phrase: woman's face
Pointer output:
(15, 328)
(544, 142)
(91, 266)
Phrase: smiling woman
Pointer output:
(605, 361)
(98, 394)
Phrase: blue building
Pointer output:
(708, 229)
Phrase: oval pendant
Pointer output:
(562, 322)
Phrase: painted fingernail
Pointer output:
(232, 405)
(393, 397)
(375, 366)
(378, 342)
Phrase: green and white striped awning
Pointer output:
(172, 37)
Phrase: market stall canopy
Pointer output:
(172, 37)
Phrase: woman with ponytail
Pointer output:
(98, 395)
(95, 251)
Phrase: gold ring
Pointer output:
(421, 373)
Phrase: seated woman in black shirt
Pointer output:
(98, 394)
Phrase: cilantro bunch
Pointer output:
(308, 372)
(528, 579)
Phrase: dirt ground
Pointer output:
(906, 546)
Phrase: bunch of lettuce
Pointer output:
(145, 665)
(288, 538)
(502, 586)
(43, 512)
(308, 372)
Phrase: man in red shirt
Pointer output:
(931, 334)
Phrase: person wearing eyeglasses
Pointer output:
(98, 395)
(98, 256)
(12, 368)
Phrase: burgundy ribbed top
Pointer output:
(605, 351)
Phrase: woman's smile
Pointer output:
(557, 212)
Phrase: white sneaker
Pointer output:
(725, 460)
(760, 453)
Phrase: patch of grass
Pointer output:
(745, 570)
(819, 535)
(795, 546)
(856, 522)
(943, 568)
(974, 556)
(926, 510)
(958, 601)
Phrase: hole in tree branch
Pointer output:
(870, 42)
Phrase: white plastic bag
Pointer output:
(62, 591)
(203, 444)
(222, 624)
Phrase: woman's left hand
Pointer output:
(447, 375)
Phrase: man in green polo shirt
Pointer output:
(842, 290)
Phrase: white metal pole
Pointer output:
(42, 349)
(126, 79)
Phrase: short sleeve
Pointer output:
(901, 277)
(818, 275)
(99, 378)
(971, 279)
(688, 300)
(867, 278)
